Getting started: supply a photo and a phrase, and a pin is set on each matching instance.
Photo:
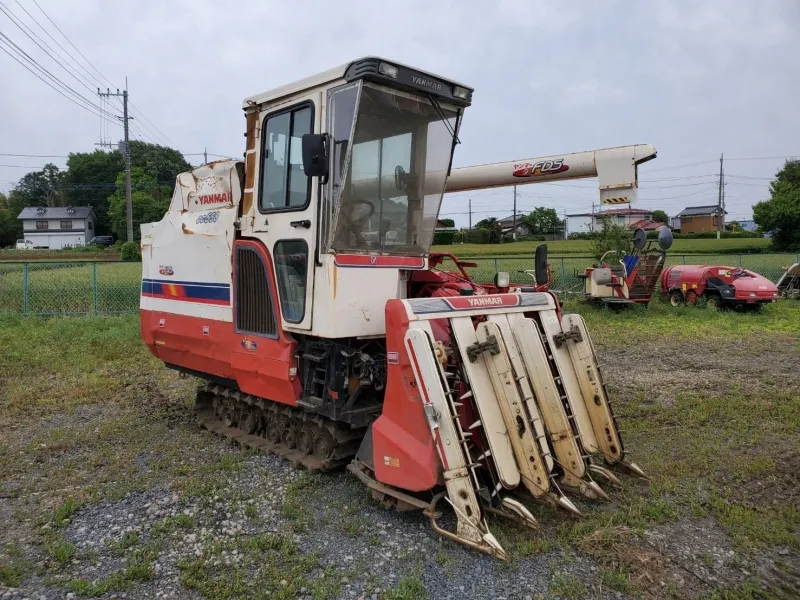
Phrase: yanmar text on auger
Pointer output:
(298, 284)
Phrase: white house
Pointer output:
(589, 222)
(58, 227)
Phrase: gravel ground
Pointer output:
(122, 496)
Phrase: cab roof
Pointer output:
(329, 76)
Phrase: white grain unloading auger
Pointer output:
(299, 286)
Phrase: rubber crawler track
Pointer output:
(346, 440)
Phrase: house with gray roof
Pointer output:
(57, 227)
(697, 219)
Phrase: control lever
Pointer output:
(306, 223)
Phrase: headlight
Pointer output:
(460, 92)
(502, 279)
(388, 70)
(752, 294)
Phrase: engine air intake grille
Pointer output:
(254, 307)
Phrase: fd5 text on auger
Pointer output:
(297, 286)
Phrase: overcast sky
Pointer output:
(693, 78)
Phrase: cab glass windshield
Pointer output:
(395, 174)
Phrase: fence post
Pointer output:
(25, 288)
(740, 261)
(683, 256)
(563, 276)
(94, 285)
(495, 266)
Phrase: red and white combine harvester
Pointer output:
(299, 287)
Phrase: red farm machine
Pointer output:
(299, 287)
(633, 277)
(719, 286)
(789, 283)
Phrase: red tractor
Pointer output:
(721, 286)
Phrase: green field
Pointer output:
(559, 247)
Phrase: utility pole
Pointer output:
(205, 156)
(514, 229)
(720, 199)
(126, 153)
(470, 214)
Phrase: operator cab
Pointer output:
(344, 171)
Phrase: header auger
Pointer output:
(299, 286)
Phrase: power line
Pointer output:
(29, 32)
(76, 61)
(78, 97)
(59, 63)
(132, 106)
(70, 43)
(76, 103)
(37, 155)
(25, 167)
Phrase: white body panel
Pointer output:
(351, 300)
(189, 250)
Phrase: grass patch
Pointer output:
(758, 527)
(61, 551)
(267, 566)
(173, 523)
(568, 586)
(616, 580)
(64, 511)
(139, 568)
(14, 567)
(127, 541)
(411, 587)
(295, 497)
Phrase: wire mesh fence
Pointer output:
(81, 288)
(69, 288)
(566, 269)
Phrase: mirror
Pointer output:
(540, 264)
(665, 238)
(639, 239)
(315, 155)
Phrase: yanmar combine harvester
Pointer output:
(299, 286)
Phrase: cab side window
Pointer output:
(284, 185)
(291, 264)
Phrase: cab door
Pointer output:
(285, 210)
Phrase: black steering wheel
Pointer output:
(355, 224)
(400, 178)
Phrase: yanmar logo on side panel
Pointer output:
(488, 301)
(224, 197)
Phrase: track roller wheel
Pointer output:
(274, 432)
(229, 417)
(249, 422)
(324, 444)
(289, 434)
(305, 438)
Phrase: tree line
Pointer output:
(97, 179)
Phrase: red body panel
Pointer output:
(403, 449)
(260, 365)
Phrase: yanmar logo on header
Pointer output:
(488, 301)
(224, 197)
